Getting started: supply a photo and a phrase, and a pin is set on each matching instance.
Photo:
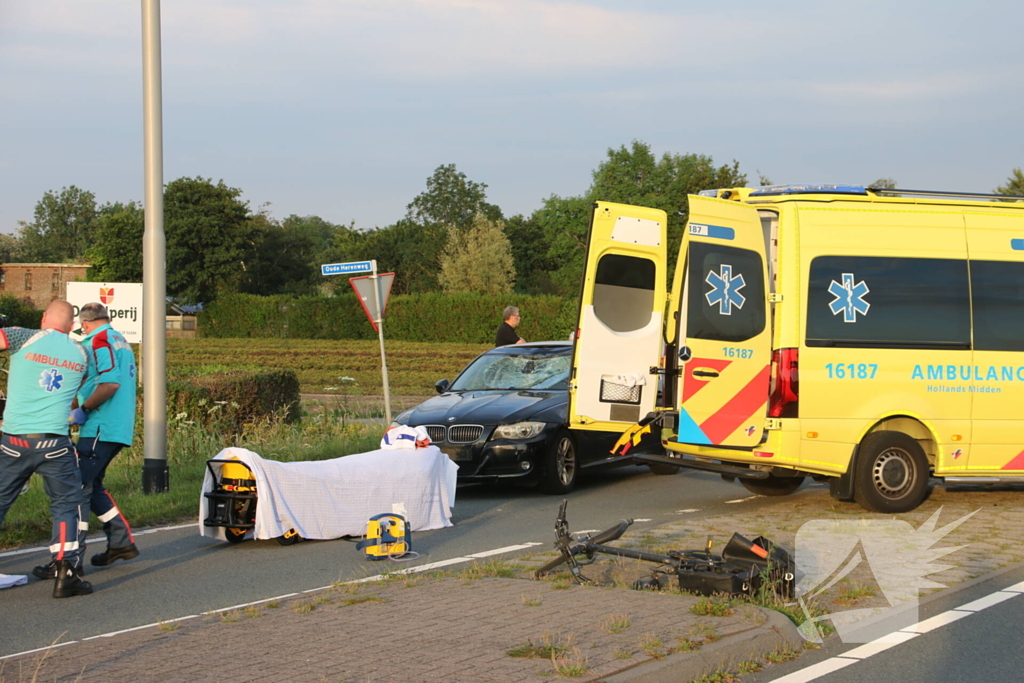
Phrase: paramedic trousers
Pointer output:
(53, 457)
(93, 458)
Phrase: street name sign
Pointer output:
(344, 268)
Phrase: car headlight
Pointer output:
(519, 430)
(401, 420)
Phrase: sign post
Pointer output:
(373, 291)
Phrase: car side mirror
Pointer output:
(441, 386)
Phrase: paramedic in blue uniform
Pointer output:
(107, 404)
(46, 369)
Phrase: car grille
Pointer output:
(454, 433)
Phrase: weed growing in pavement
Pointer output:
(687, 645)
(850, 595)
(652, 645)
(748, 667)
(781, 655)
(703, 629)
(231, 616)
(359, 600)
(273, 604)
(534, 601)
(622, 653)
(570, 663)
(561, 585)
(304, 608)
(616, 623)
(496, 569)
(718, 676)
(253, 611)
(550, 646)
(163, 626)
(713, 607)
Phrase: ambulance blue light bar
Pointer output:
(808, 189)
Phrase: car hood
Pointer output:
(491, 407)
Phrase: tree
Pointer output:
(477, 260)
(630, 176)
(209, 239)
(62, 229)
(884, 184)
(451, 200)
(530, 256)
(10, 248)
(409, 249)
(1014, 184)
(116, 252)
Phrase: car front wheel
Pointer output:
(558, 474)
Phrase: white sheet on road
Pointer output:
(326, 499)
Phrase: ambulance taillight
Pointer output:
(785, 387)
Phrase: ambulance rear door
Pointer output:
(723, 339)
(620, 324)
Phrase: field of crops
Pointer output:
(328, 367)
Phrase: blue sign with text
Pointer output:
(342, 268)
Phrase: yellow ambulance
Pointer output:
(869, 338)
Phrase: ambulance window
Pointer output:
(888, 302)
(997, 291)
(725, 293)
(624, 292)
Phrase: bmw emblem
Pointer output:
(451, 419)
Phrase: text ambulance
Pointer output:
(865, 337)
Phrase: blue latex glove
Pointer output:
(78, 417)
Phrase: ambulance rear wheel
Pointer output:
(891, 472)
(560, 466)
(234, 535)
(773, 485)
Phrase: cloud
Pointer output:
(423, 39)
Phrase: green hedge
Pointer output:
(430, 317)
(19, 313)
(231, 399)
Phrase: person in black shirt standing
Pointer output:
(506, 331)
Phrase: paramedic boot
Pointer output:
(45, 571)
(111, 555)
(69, 581)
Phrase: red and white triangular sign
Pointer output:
(363, 287)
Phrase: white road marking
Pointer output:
(641, 520)
(95, 539)
(687, 510)
(890, 640)
(741, 500)
(378, 577)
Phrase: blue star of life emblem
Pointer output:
(849, 298)
(725, 290)
(131, 370)
(51, 380)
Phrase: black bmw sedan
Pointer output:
(505, 417)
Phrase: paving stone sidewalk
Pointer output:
(453, 628)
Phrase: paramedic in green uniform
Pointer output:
(46, 369)
(107, 404)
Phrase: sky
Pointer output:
(343, 108)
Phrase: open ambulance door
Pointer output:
(722, 336)
(620, 325)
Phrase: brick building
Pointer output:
(39, 283)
